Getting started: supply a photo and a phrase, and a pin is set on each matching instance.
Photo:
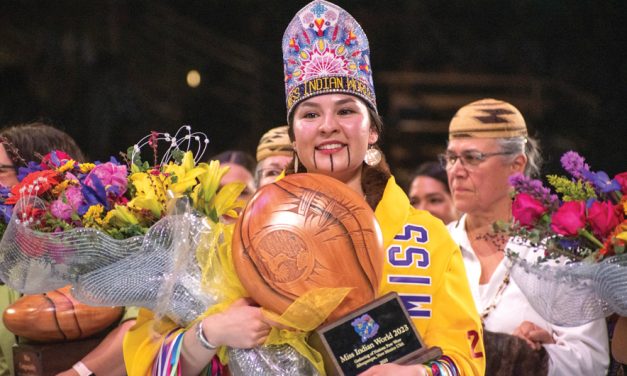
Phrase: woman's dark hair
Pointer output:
(373, 178)
(28, 142)
(237, 157)
(433, 170)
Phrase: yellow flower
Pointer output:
(121, 216)
(209, 182)
(185, 177)
(147, 203)
(149, 185)
(93, 217)
(227, 200)
(67, 166)
(150, 192)
(86, 167)
(623, 235)
(60, 188)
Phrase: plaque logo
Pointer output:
(365, 327)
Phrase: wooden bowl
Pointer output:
(306, 231)
(57, 316)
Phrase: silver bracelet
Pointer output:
(82, 369)
(200, 334)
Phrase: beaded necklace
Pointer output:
(497, 297)
(499, 241)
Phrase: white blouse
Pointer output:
(580, 350)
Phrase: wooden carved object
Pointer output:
(57, 316)
(307, 231)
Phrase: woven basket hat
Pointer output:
(276, 141)
(487, 118)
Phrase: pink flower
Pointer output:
(604, 217)
(74, 197)
(112, 176)
(569, 218)
(64, 207)
(61, 210)
(527, 210)
(622, 180)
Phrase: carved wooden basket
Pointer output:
(306, 231)
(57, 316)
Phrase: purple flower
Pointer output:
(534, 188)
(602, 182)
(93, 196)
(31, 167)
(575, 164)
(5, 210)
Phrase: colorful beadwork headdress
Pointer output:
(487, 118)
(326, 51)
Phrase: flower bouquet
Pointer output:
(125, 234)
(577, 270)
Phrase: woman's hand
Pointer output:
(395, 370)
(242, 325)
(534, 335)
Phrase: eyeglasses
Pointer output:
(270, 172)
(468, 159)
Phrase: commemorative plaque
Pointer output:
(379, 332)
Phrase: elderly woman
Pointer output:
(274, 152)
(488, 143)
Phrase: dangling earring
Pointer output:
(295, 163)
(373, 156)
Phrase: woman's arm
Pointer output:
(241, 325)
(107, 358)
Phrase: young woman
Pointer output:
(334, 125)
(429, 191)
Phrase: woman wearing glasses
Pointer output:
(488, 143)
(274, 152)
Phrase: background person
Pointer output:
(29, 142)
(241, 169)
(429, 191)
(488, 143)
(274, 152)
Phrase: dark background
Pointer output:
(108, 72)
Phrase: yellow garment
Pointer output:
(7, 339)
(425, 267)
(449, 319)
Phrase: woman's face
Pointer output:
(331, 135)
(483, 187)
(427, 193)
(270, 168)
(8, 176)
(239, 174)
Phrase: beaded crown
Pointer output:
(326, 51)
